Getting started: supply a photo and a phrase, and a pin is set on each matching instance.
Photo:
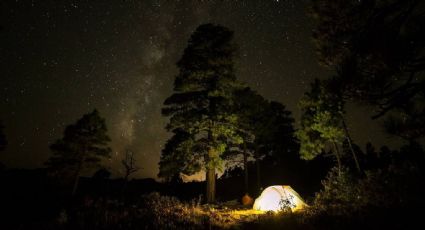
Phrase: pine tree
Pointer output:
(178, 156)
(377, 48)
(320, 123)
(201, 106)
(82, 146)
(266, 129)
(250, 108)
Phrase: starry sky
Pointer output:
(61, 59)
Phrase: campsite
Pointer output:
(212, 114)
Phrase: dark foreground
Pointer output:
(154, 211)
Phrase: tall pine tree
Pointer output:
(250, 108)
(201, 107)
(320, 123)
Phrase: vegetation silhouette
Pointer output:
(82, 147)
(375, 49)
(201, 107)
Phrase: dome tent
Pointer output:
(278, 197)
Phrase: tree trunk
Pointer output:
(245, 165)
(210, 176)
(77, 178)
(350, 145)
(257, 163)
(338, 157)
(77, 174)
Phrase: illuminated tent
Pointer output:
(279, 197)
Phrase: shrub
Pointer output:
(385, 196)
(169, 213)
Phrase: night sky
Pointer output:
(61, 59)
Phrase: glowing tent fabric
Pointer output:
(278, 197)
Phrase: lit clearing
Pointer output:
(277, 198)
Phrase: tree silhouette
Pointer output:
(129, 164)
(250, 108)
(276, 137)
(320, 123)
(377, 48)
(266, 129)
(82, 146)
(202, 102)
(408, 123)
(323, 124)
(177, 156)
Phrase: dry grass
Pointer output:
(229, 217)
(154, 211)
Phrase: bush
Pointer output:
(389, 196)
(163, 212)
(340, 194)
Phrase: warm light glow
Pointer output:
(277, 197)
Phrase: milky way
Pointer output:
(61, 59)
